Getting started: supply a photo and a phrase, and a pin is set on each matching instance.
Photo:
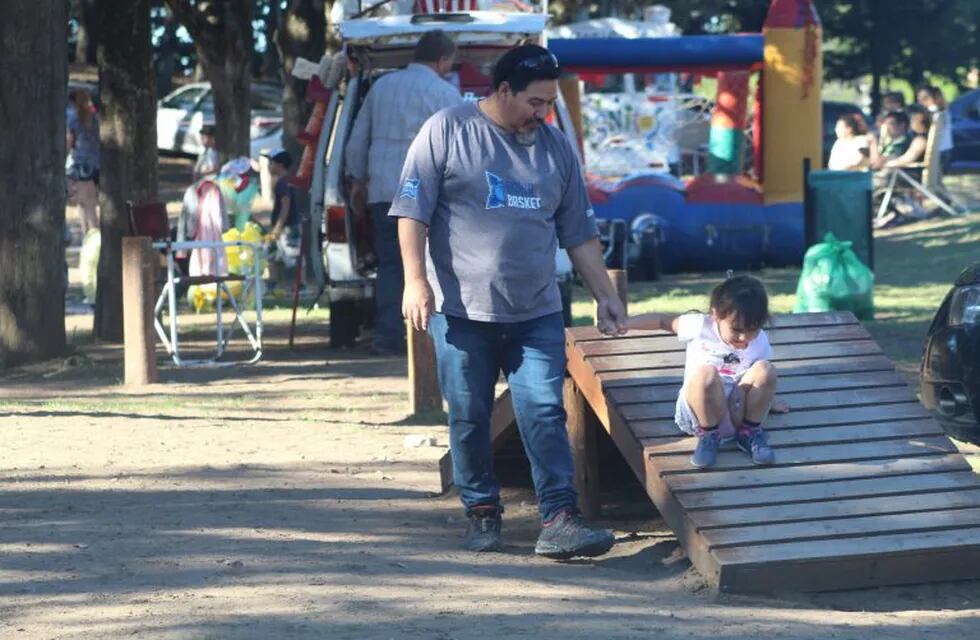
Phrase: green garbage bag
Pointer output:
(834, 279)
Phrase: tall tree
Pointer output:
(85, 41)
(128, 142)
(222, 34)
(900, 38)
(303, 33)
(33, 94)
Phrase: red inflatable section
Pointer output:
(714, 189)
(791, 14)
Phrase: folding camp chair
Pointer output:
(151, 220)
(930, 185)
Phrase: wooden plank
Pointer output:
(967, 535)
(810, 511)
(139, 341)
(668, 342)
(846, 527)
(779, 321)
(846, 434)
(865, 380)
(852, 349)
(582, 426)
(801, 402)
(815, 454)
(798, 419)
(423, 383)
(951, 473)
(851, 563)
(584, 377)
(852, 470)
(674, 375)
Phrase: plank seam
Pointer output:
(845, 536)
(770, 485)
(743, 525)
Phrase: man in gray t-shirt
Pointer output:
(494, 192)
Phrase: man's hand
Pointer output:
(611, 316)
(418, 303)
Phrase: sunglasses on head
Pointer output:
(545, 61)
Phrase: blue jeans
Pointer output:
(531, 354)
(389, 326)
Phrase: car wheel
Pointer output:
(344, 323)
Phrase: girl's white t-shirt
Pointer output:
(705, 346)
(847, 153)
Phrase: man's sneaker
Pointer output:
(706, 453)
(755, 442)
(567, 536)
(483, 530)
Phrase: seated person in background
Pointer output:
(850, 151)
(933, 99)
(890, 102)
(898, 147)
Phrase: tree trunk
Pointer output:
(303, 33)
(129, 146)
(222, 33)
(271, 65)
(86, 42)
(33, 93)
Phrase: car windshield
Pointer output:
(183, 99)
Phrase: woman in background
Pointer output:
(83, 159)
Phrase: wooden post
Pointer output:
(423, 382)
(138, 338)
(582, 438)
(619, 282)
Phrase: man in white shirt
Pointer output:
(394, 110)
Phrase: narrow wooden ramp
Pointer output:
(866, 489)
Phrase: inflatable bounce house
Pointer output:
(725, 218)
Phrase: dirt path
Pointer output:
(280, 501)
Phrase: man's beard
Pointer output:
(528, 137)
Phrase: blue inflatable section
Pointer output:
(711, 236)
(677, 53)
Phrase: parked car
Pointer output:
(182, 112)
(950, 371)
(965, 115)
(378, 46)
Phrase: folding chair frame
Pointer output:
(168, 297)
(899, 173)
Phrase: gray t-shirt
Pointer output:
(496, 210)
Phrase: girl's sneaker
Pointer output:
(755, 442)
(706, 453)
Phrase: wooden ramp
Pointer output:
(866, 489)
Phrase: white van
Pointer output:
(382, 45)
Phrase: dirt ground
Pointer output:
(282, 500)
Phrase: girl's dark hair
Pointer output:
(855, 122)
(743, 297)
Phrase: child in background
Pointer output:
(729, 383)
(286, 231)
(208, 162)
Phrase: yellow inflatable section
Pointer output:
(792, 75)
